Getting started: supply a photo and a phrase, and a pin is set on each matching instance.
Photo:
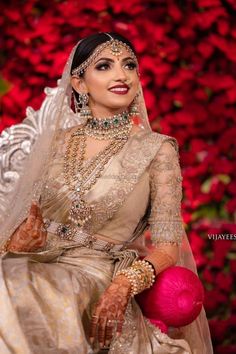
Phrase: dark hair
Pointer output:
(90, 43)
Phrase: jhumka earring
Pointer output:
(133, 111)
(84, 111)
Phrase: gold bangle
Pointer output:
(142, 266)
(140, 274)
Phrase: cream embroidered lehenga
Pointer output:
(47, 296)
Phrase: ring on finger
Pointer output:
(106, 347)
(110, 329)
(43, 227)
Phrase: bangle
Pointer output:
(140, 274)
(151, 266)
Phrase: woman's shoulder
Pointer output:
(167, 144)
(160, 138)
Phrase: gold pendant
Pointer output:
(80, 212)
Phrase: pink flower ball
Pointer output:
(176, 298)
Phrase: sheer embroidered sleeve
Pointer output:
(165, 220)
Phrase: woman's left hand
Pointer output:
(109, 314)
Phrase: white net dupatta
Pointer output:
(26, 149)
(25, 152)
(197, 334)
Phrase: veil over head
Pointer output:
(25, 153)
(26, 149)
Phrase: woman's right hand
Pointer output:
(109, 314)
(30, 235)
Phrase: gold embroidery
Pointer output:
(128, 339)
(139, 157)
(134, 163)
(165, 220)
(124, 342)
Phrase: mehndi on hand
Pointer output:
(30, 235)
(108, 317)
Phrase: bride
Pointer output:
(81, 180)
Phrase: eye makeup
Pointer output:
(106, 64)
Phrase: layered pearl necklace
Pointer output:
(116, 128)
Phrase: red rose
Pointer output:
(213, 299)
(218, 328)
(208, 276)
(224, 281)
(220, 249)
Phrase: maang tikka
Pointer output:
(116, 46)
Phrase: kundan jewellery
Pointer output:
(115, 46)
(77, 176)
(109, 128)
(134, 110)
(84, 111)
(117, 128)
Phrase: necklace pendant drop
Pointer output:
(77, 176)
(80, 212)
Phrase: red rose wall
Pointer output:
(187, 54)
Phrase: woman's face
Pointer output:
(112, 83)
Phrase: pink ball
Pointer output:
(176, 298)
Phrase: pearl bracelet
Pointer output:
(140, 274)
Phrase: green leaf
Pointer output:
(208, 91)
(201, 9)
(206, 185)
(223, 213)
(184, 64)
(177, 103)
(231, 256)
(206, 211)
(224, 178)
(4, 86)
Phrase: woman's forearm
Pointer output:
(163, 256)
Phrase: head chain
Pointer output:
(113, 43)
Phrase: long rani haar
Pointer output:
(116, 128)
(75, 174)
